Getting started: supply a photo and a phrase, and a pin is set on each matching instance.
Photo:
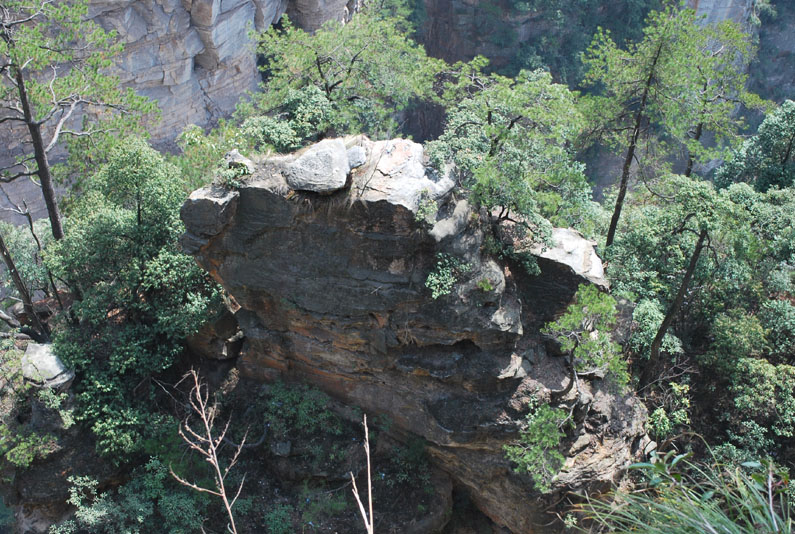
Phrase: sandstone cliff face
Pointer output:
(194, 57)
(332, 292)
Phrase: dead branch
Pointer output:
(368, 521)
(207, 445)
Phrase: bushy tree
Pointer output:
(510, 141)
(368, 69)
(681, 80)
(150, 502)
(139, 295)
(584, 334)
(768, 158)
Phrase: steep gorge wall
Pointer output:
(331, 289)
(194, 57)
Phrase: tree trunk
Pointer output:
(633, 143)
(40, 154)
(22, 290)
(655, 365)
(696, 137)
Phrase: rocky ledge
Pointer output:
(327, 258)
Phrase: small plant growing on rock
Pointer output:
(583, 333)
(535, 452)
(426, 209)
(230, 177)
(485, 285)
(448, 271)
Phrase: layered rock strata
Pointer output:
(331, 283)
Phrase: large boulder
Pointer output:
(43, 368)
(332, 291)
(323, 168)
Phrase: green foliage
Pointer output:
(568, 27)
(27, 255)
(673, 415)
(318, 505)
(367, 70)
(408, 466)
(768, 158)
(298, 410)
(21, 446)
(426, 209)
(778, 318)
(684, 78)
(765, 394)
(535, 452)
(304, 114)
(278, 519)
(485, 285)
(202, 153)
(584, 333)
(648, 316)
(682, 497)
(62, 55)
(448, 271)
(736, 336)
(140, 296)
(151, 502)
(21, 442)
(510, 143)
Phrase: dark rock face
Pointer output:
(332, 292)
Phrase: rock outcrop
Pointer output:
(331, 289)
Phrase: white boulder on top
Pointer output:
(41, 366)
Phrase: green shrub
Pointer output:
(536, 453)
(151, 502)
(278, 520)
(427, 208)
(298, 409)
(778, 318)
(684, 497)
(139, 296)
(648, 316)
(584, 333)
(448, 271)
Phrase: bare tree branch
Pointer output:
(207, 444)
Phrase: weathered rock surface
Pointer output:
(332, 292)
(43, 368)
(323, 168)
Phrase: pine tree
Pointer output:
(53, 63)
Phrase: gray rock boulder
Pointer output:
(572, 249)
(323, 168)
(207, 211)
(43, 368)
(395, 172)
(357, 156)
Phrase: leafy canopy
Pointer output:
(55, 59)
(768, 158)
(584, 333)
(510, 142)
(140, 296)
(368, 69)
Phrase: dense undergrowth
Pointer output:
(705, 256)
